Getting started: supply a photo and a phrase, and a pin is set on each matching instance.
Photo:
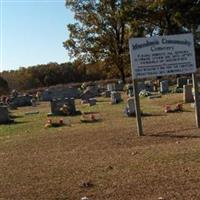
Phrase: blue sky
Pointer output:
(32, 32)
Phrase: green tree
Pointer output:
(166, 17)
(100, 33)
(4, 89)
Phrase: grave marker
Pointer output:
(164, 88)
(21, 100)
(131, 106)
(187, 94)
(63, 106)
(4, 115)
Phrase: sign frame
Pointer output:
(179, 56)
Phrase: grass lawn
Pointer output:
(103, 160)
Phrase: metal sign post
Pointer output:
(137, 108)
(197, 100)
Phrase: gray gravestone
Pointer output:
(131, 106)
(21, 100)
(60, 92)
(4, 115)
(164, 87)
(87, 94)
(187, 94)
(93, 89)
(58, 104)
(115, 97)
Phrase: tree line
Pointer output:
(51, 74)
(98, 40)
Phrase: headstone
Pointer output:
(181, 81)
(164, 87)
(63, 106)
(131, 106)
(93, 89)
(4, 115)
(87, 94)
(115, 97)
(59, 92)
(187, 94)
(21, 100)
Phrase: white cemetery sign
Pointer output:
(160, 56)
(163, 55)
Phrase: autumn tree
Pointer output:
(4, 89)
(100, 33)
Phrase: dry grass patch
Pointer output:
(57, 163)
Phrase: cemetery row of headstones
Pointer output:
(91, 91)
(62, 100)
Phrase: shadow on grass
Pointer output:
(90, 122)
(12, 122)
(162, 114)
(170, 134)
(187, 111)
(104, 100)
(16, 116)
(148, 115)
(153, 114)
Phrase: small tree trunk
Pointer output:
(122, 74)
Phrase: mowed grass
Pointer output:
(54, 163)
